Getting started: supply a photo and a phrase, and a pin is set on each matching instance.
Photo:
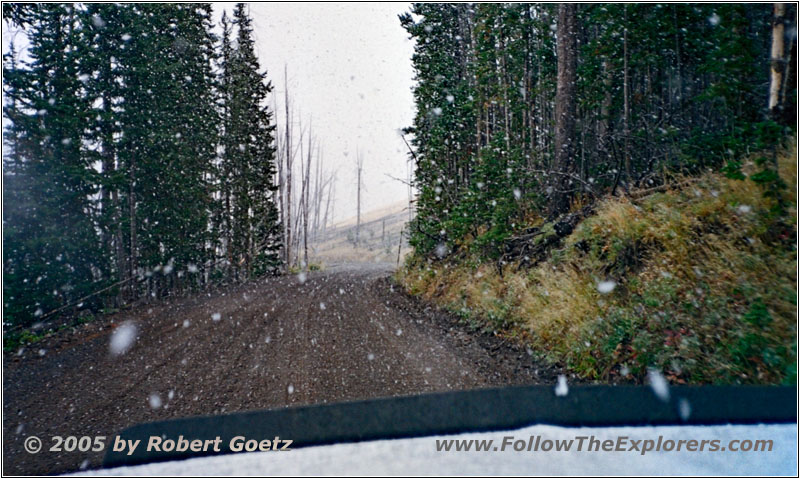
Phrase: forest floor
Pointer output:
(344, 334)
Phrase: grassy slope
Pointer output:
(705, 288)
(380, 233)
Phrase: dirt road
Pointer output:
(342, 334)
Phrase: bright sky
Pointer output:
(349, 73)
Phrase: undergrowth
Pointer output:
(703, 287)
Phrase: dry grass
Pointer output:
(706, 287)
(380, 234)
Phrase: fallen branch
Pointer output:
(533, 245)
(657, 189)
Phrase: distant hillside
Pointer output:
(378, 239)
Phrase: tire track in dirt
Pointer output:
(343, 334)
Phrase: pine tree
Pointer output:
(51, 253)
(223, 171)
(651, 88)
(128, 162)
(99, 74)
(249, 162)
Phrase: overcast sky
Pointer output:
(350, 73)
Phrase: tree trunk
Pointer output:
(626, 132)
(327, 207)
(566, 110)
(358, 197)
(777, 57)
(280, 181)
(306, 189)
(119, 246)
(790, 80)
(288, 225)
(605, 107)
(132, 215)
(317, 198)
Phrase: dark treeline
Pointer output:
(139, 156)
(526, 111)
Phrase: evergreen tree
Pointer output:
(652, 88)
(167, 138)
(51, 253)
(249, 162)
(113, 168)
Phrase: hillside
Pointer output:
(698, 283)
(380, 233)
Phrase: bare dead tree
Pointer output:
(306, 188)
(316, 199)
(777, 60)
(328, 205)
(326, 194)
(359, 169)
(288, 226)
(279, 178)
(297, 237)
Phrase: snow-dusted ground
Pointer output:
(418, 456)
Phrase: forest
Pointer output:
(614, 185)
(142, 158)
(550, 215)
(526, 110)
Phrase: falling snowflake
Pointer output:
(684, 409)
(154, 400)
(561, 387)
(658, 384)
(606, 287)
(123, 338)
